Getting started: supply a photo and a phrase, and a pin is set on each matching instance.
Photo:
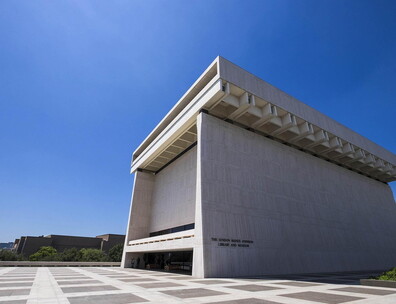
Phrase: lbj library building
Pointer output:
(241, 179)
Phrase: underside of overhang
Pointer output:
(257, 115)
(184, 142)
(260, 116)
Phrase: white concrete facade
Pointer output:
(302, 213)
(174, 193)
(272, 185)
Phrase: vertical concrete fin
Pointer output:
(198, 256)
(139, 212)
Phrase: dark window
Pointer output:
(173, 230)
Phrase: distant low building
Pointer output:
(6, 246)
(110, 240)
(27, 245)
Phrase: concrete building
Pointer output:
(27, 245)
(241, 179)
(6, 246)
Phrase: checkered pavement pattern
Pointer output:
(86, 285)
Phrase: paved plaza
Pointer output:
(83, 285)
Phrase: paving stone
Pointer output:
(14, 292)
(253, 287)
(16, 284)
(177, 288)
(282, 277)
(257, 280)
(122, 276)
(138, 280)
(79, 282)
(134, 271)
(246, 301)
(23, 275)
(15, 279)
(73, 278)
(106, 299)
(179, 278)
(55, 270)
(333, 281)
(170, 275)
(159, 285)
(88, 288)
(297, 284)
(289, 277)
(212, 282)
(14, 302)
(192, 293)
(24, 270)
(62, 270)
(321, 297)
(371, 291)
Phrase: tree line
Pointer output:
(48, 253)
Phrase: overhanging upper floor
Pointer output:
(230, 93)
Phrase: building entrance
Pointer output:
(175, 261)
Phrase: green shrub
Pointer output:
(70, 255)
(8, 255)
(115, 253)
(388, 275)
(48, 253)
(45, 253)
(93, 255)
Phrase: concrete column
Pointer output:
(139, 214)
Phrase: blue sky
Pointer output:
(83, 82)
